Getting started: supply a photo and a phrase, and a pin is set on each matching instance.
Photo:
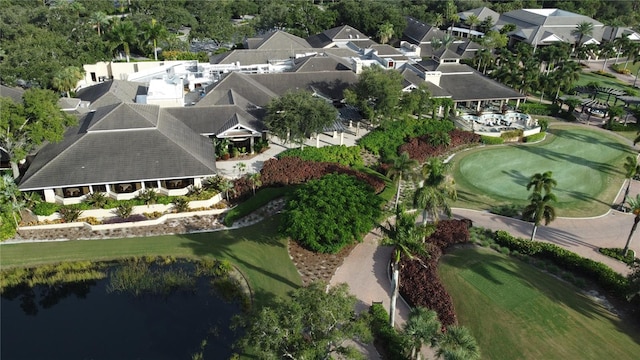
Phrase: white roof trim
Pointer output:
(552, 38)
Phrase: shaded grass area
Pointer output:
(516, 311)
(587, 164)
(258, 251)
(261, 198)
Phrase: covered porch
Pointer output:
(120, 191)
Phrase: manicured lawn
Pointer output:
(587, 164)
(258, 251)
(516, 311)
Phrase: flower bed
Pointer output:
(421, 149)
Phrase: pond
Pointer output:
(89, 320)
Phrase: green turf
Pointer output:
(516, 311)
(258, 251)
(587, 164)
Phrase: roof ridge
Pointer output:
(138, 107)
(184, 126)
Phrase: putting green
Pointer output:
(587, 164)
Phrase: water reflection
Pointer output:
(83, 320)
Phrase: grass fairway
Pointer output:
(516, 311)
(587, 164)
(258, 251)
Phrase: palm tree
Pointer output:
(123, 33)
(542, 181)
(458, 343)
(405, 236)
(566, 75)
(99, 19)
(445, 41)
(422, 326)
(538, 209)
(385, 32)
(226, 186)
(437, 20)
(255, 181)
(614, 111)
(154, 32)
(632, 168)
(622, 42)
(9, 194)
(634, 204)
(584, 28)
(67, 79)
(436, 190)
(402, 167)
(607, 51)
(473, 20)
(483, 57)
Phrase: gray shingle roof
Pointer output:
(473, 86)
(212, 120)
(320, 63)
(277, 40)
(111, 92)
(12, 92)
(411, 77)
(419, 32)
(329, 83)
(246, 57)
(168, 150)
(385, 50)
(242, 84)
(482, 13)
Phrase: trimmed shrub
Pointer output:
(422, 148)
(420, 284)
(535, 137)
(539, 109)
(45, 208)
(616, 253)
(603, 73)
(490, 140)
(70, 213)
(348, 156)
(512, 134)
(606, 277)
(620, 69)
(386, 338)
(510, 210)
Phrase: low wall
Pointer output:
(160, 220)
(525, 133)
(101, 214)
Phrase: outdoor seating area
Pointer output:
(496, 122)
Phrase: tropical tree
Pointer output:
(566, 75)
(24, 126)
(402, 168)
(444, 42)
(417, 101)
(385, 32)
(100, 20)
(538, 209)
(473, 21)
(458, 343)
(542, 181)
(376, 93)
(405, 236)
(614, 112)
(297, 115)
(67, 79)
(152, 32)
(123, 33)
(621, 43)
(634, 204)
(9, 195)
(606, 51)
(421, 327)
(631, 168)
(226, 186)
(314, 323)
(254, 179)
(436, 191)
(584, 28)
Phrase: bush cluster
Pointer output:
(535, 137)
(510, 210)
(616, 126)
(620, 69)
(616, 253)
(292, 171)
(539, 109)
(45, 208)
(387, 138)
(421, 284)
(490, 140)
(385, 336)
(348, 156)
(421, 149)
(603, 73)
(610, 280)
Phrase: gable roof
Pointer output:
(236, 83)
(317, 63)
(466, 84)
(165, 151)
(247, 57)
(482, 13)
(412, 78)
(212, 120)
(111, 92)
(277, 40)
(328, 83)
(418, 32)
(329, 37)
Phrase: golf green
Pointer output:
(586, 163)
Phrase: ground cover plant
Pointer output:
(424, 147)
(349, 156)
(261, 198)
(421, 284)
(258, 252)
(587, 165)
(516, 311)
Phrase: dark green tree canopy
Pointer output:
(313, 324)
(298, 115)
(327, 214)
(377, 92)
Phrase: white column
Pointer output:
(142, 187)
(251, 145)
(335, 134)
(342, 138)
(49, 196)
(90, 189)
(197, 182)
(317, 140)
(517, 103)
(357, 128)
(350, 124)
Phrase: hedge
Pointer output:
(490, 140)
(349, 156)
(539, 109)
(603, 73)
(262, 197)
(535, 137)
(386, 337)
(606, 277)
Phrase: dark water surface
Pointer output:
(83, 321)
